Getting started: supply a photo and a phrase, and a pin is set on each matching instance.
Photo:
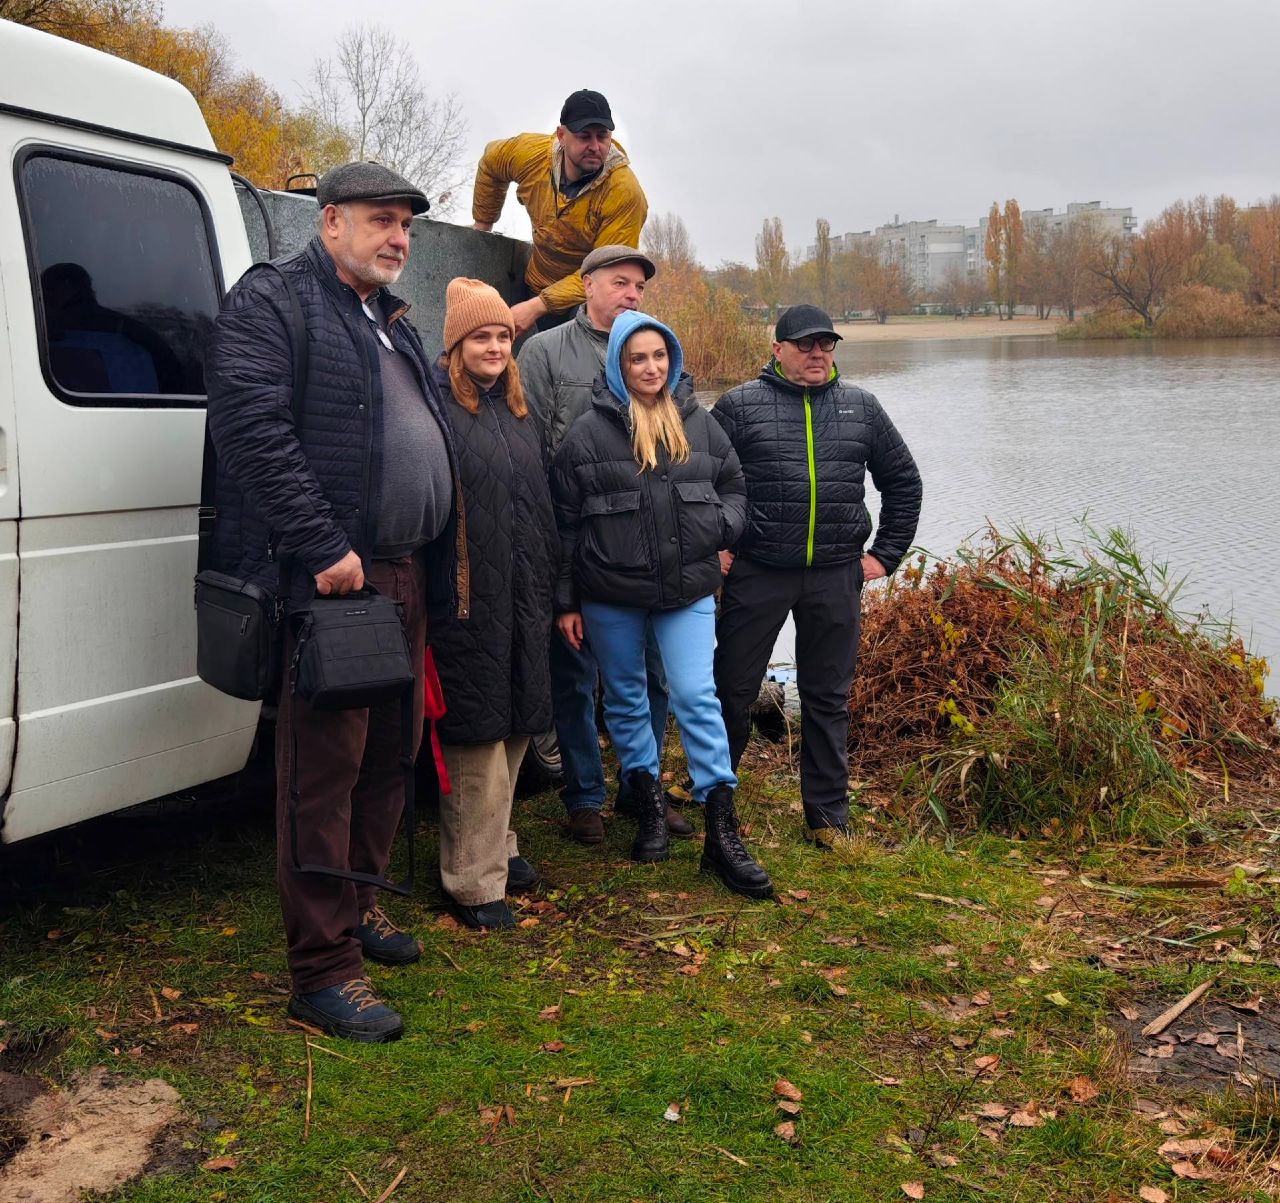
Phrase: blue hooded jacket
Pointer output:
(624, 326)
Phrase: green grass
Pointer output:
(838, 990)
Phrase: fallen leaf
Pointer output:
(170, 993)
(1172, 1127)
(553, 1046)
(1186, 1148)
(1039, 966)
(1252, 1007)
(961, 1041)
(681, 950)
(1227, 1048)
(1209, 1039)
(1058, 999)
(987, 1064)
(913, 1190)
(799, 895)
(944, 1161)
(1152, 1194)
(944, 950)
(888, 1081)
(185, 1029)
(531, 921)
(230, 931)
(787, 1107)
(550, 1012)
(787, 1131)
(994, 1111)
(1130, 1013)
(787, 1090)
(217, 1165)
(1189, 1169)
(982, 998)
(1027, 1117)
(689, 970)
(1046, 900)
(448, 922)
(999, 1033)
(105, 1034)
(1082, 1090)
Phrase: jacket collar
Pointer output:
(321, 262)
(581, 319)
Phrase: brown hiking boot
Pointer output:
(586, 826)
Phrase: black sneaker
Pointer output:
(383, 941)
(485, 916)
(521, 875)
(350, 1010)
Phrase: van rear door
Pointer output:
(8, 554)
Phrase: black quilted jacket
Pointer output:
(805, 453)
(493, 667)
(646, 539)
(290, 503)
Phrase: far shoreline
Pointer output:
(933, 329)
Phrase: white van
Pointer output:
(119, 232)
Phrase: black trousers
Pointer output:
(825, 603)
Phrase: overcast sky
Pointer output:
(737, 110)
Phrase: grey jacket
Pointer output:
(557, 369)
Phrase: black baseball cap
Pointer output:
(585, 108)
(800, 321)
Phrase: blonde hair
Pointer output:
(468, 396)
(657, 424)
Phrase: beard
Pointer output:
(371, 272)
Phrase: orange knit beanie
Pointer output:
(470, 304)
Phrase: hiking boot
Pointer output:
(652, 840)
(521, 875)
(723, 852)
(624, 804)
(586, 826)
(383, 941)
(350, 1010)
(485, 916)
(826, 838)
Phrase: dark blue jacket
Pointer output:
(291, 503)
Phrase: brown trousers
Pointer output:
(351, 797)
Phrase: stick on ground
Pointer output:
(1165, 1018)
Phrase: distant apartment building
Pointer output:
(929, 252)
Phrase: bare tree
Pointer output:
(371, 91)
(773, 263)
(822, 262)
(666, 240)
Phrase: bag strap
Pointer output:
(410, 795)
(208, 511)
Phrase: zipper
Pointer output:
(813, 478)
(244, 618)
(366, 517)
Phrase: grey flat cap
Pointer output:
(607, 256)
(368, 182)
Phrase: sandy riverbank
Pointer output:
(898, 328)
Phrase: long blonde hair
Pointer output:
(657, 424)
(468, 396)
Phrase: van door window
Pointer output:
(124, 279)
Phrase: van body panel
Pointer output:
(8, 646)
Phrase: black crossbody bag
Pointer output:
(351, 653)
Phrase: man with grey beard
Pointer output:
(360, 490)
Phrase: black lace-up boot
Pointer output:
(652, 841)
(723, 853)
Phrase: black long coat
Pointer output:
(493, 665)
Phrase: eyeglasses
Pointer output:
(827, 342)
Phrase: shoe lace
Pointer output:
(359, 992)
(382, 926)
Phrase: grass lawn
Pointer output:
(947, 1013)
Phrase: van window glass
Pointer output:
(126, 282)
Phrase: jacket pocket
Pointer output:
(613, 534)
(698, 512)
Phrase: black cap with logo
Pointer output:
(585, 108)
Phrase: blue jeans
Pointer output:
(686, 639)
(573, 696)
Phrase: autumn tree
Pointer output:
(994, 251)
(666, 241)
(1071, 249)
(822, 263)
(737, 277)
(885, 287)
(1139, 272)
(371, 94)
(103, 24)
(773, 263)
(1262, 250)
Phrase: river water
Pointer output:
(1177, 441)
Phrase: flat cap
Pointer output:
(368, 182)
(607, 256)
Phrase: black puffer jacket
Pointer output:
(647, 539)
(291, 503)
(493, 667)
(805, 453)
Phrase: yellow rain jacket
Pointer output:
(611, 209)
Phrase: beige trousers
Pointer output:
(475, 819)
